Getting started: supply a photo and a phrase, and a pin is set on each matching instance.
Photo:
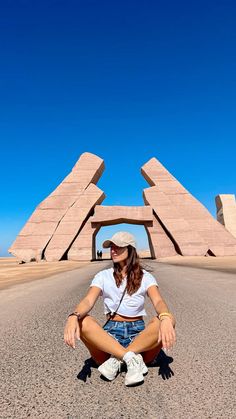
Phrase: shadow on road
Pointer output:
(86, 370)
(162, 361)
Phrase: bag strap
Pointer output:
(111, 316)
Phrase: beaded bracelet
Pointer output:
(75, 314)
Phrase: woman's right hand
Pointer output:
(71, 331)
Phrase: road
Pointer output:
(41, 377)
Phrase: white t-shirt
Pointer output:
(131, 305)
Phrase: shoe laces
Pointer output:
(115, 363)
(133, 362)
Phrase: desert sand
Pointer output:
(222, 264)
(13, 273)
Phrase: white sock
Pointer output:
(128, 356)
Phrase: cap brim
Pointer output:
(106, 244)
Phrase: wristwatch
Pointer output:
(75, 313)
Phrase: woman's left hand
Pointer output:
(167, 333)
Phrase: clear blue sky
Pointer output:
(126, 80)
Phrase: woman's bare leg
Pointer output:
(147, 340)
(96, 337)
(98, 356)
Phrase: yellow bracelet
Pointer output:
(165, 314)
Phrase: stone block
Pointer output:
(226, 212)
(38, 229)
(51, 210)
(58, 202)
(68, 189)
(72, 223)
(159, 242)
(40, 215)
(118, 214)
(178, 228)
(187, 221)
(83, 248)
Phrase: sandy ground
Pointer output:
(13, 273)
(222, 264)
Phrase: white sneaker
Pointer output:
(109, 369)
(135, 370)
(144, 366)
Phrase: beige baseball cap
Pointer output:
(121, 239)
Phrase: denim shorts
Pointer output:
(124, 332)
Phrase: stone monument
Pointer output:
(65, 224)
(226, 211)
(186, 221)
(58, 219)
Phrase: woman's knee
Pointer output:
(154, 321)
(87, 322)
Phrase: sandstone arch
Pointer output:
(84, 245)
(65, 224)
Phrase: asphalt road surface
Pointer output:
(41, 377)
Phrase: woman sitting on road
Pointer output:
(124, 338)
